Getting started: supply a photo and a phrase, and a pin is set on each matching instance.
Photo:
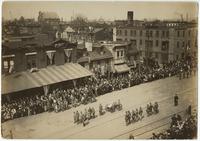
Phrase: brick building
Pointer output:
(162, 40)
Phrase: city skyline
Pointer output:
(93, 10)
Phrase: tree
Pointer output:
(79, 22)
(21, 20)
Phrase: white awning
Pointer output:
(122, 68)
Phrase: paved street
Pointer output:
(112, 126)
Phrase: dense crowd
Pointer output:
(88, 89)
(180, 129)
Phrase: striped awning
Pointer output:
(49, 75)
(120, 68)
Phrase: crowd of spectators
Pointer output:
(87, 90)
(180, 129)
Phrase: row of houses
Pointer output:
(34, 61)
(38, 51)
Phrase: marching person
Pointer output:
(131, 136)
(176, 100)
(189, 110)
(75, 118)
(100, 109)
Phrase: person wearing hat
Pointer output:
(176, 100)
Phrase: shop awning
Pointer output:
(122, 68)
(49, 75)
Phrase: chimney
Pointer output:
(130, 17)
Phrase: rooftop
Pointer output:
(94, 56)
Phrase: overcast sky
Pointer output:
(106, 10)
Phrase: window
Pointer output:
(163, 33)
(5, 66)
(119, 39)
(8, 65)
(147, 33)
(31, 61)
(140, 32)
(157, 33)
(120, 32)
(122, 53)
(178, 33)
(157, 42)
(183, 44)
(177, 44)
(140, 42)
(167, 34)
(189, 32)
(189, 43)
(151, 33)
(125, 32)
(135, 32)
(117, 54)
(183, 33)
(131, 32)
(117, 32)
(134, 42)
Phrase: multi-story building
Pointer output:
(35, 62)
(163, 40)
(119, 51)
(98, 60)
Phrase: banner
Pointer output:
(50, 55)
(68, 53)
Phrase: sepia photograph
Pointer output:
(99, 70)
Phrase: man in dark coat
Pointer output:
(176, 100)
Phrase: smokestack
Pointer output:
(130, 17)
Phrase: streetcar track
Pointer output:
(150, 124)
(185, 91)
(74, 126)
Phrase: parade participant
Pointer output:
(141, 113)
(133, 116)
(131, 136)
(137, 114)
(75, 120)
(86, 113)
(150, 107)
(93, 112)
(89, 113)
(189, 110)
(100, 109)
(156, 110)
(176, 100)
(77, 117)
